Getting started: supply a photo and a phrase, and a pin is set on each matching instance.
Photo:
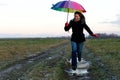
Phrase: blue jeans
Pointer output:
(76, 52)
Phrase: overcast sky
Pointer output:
(36, 18)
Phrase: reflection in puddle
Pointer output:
(82, 68)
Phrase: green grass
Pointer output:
(16, 49)
(47, 72)
(108, 50)
(54, 69)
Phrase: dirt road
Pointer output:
(18, 70)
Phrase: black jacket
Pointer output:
(77, 30)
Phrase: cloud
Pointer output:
(117, 21)
(2, 4)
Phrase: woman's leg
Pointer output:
(74, 57)
(79, 50)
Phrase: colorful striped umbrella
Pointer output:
(68, 6)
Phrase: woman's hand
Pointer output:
(95, 35)
(66, 24)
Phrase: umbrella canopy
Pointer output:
(68, 6)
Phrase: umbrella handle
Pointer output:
(68, 10)
(67, 15)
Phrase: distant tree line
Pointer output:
(105, 35)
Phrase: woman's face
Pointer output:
(76, 17)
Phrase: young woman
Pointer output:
(77, 38)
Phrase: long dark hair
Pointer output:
(82, 17)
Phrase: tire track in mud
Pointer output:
(18, 69)
(101, 66)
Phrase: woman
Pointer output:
(77, 39)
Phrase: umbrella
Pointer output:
(68, 6)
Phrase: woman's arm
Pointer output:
(88, 29)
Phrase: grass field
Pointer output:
(108, 50)
(16, 49)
